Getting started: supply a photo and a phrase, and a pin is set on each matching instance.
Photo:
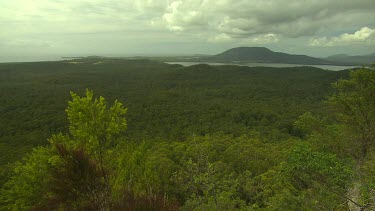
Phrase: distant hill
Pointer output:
(264, 55)
(352, 60)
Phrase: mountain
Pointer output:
(264, 55)
(352, 60)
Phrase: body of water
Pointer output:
(325, 67)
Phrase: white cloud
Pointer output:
(252, 40)
(150, 5)
(180, 16)
(319, 42)
(238, 26)
(262, 39)
(221, 38)
(365, 35)
(362, 35)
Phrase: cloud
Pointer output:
(180, 16)
(221, 38)
(102, 24)
(262, 22)
(243, 18)
(237, 19)
(364, 36)
(257, 40)
(263, 39)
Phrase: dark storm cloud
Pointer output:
(283, 17)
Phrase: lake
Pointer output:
(325, 67)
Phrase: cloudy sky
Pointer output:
(53, 28)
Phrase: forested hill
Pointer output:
(351, 60)
(167, 102)
(264, 55)
(145, 135)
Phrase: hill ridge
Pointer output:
(264, 55)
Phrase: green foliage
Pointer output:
(325, 135)
(72, 173)
(198, 138)
(201, 173)
(368, 185)
(167, 102)
(319, 166)
(307, 180)
(28, 185)
(76, 182)
(355, 105)
(91, 124)
(308, 123)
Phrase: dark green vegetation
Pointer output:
(264, 55)
(165, 102)
(194, 138)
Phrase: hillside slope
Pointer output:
(261, 54)
(352, 60)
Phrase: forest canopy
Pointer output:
(322, 160)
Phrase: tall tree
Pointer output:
(72, 173)
(354, 102)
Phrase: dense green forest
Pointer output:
(184, 138)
